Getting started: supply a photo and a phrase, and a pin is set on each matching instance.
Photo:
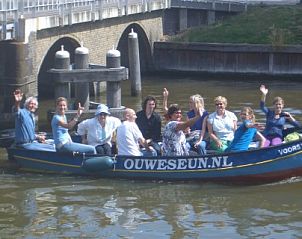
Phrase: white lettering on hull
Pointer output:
(178, 164)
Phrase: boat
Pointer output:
(7, 137)
(254, 166)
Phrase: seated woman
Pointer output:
(60, 128)
(174, 139)
(221, 125)
(198, 129)
(195, 134)
(247, 131)
(275, 119)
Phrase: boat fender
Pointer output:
(96, 164)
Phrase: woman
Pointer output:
(198, 129)
(60, 128)
(221, 125)
(247, 131)
(174, 139)
(275, 119)
(195, 134)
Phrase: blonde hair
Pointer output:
(198, 101)
(250, 112)
(58, 100)
(221, 99)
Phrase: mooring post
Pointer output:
(134, 64)
(113, 60)
(62, 61)
(81, 61)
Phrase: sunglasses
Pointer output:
(177, 112)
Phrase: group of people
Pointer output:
(140, 133)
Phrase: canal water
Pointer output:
(48, 206)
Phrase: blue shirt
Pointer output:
(198, 124)
(60, 134)
(24, 126)
(274, 126)
(243, 137)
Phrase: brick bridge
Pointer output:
(31, 34)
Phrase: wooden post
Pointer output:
(113, 60)
(62, 61)
(134, 64)
(81, 59)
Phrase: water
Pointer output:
(48, 206)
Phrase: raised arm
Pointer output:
(165, 100)
(73, 122)
(18, 98)
(264, 92)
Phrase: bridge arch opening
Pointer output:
(146, 62)
(45, 83)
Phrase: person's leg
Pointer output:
(157, 147)
(39, 146)
(201, 148)
(77, 147)
(100, 150)
(107, 149)
(104, 149)
(276, 141)
(151, 152)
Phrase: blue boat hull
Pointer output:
(254, 166)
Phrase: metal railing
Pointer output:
(67, 12)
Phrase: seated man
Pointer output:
(129, 137)
(25, 125)
(99, 130)
(149, 122)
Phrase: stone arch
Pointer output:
(45, 84)
(146, 62)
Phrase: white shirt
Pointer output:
(223, 126)
(96, 134)
(128, 135)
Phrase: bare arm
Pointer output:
(165, 100)
(264, 92)
(203, 130)
(213, 136)
(73, 122)
(261, 138)
(18, 95)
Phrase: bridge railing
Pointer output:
(66, 12)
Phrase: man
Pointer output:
(25, 125)
(149, 122)
(129, 137)
(99, 130)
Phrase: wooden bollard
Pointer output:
(113, 60)
(134, 64)
(81, 61)
(62, 61)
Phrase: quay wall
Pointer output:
(228, 58)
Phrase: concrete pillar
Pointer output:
(183, 19)
(271, 63)
(113, 60)
(211, 17)
(81, 61)
(20, 31)
(134, 64)
(62, 61)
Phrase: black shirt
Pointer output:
(150, 128)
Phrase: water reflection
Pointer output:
(75, 207)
